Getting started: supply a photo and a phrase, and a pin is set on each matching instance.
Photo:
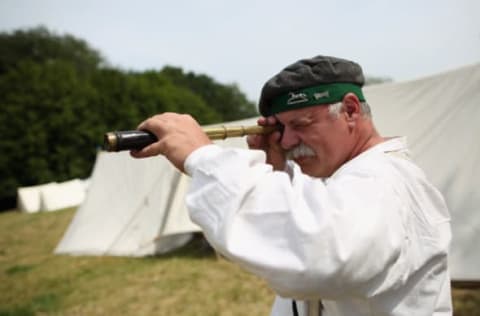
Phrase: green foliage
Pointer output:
(44, 112)
(227, 100)
(41, 46)
(58, 97)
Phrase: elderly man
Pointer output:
(336, 218)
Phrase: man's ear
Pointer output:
(351, 106)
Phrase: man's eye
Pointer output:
(300, 125)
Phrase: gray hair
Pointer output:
(335, 108)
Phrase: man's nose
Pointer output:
(289, 138)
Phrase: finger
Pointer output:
(274, 140)
(250, 140)
(141, 126)
(271, 120)
(254, 141)
(154, 149)
(153, 125)
(262, 121)
(137, 154)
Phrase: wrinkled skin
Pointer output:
(331, 140)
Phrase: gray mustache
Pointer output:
(300, 150)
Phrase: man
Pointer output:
(335, 218)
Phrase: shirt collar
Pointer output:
(391, 144)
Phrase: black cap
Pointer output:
(308, 73)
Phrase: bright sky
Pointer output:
(248, 41)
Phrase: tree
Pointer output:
(227, 100)
(43, 110)
(58, 97)
(42, 46)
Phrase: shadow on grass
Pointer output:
(466, 302)
(19, 269)
(48, 302)
(17, 311)
(197, 248)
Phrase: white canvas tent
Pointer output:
(51, 196)
(126, 209)
(133, 205)
(29, 199)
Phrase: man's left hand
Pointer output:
(178, 136)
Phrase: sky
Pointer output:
(246, 42)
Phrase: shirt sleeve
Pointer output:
(308, 238)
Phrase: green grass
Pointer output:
(190, 281)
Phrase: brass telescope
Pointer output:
(131, 140)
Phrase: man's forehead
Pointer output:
(300, 114)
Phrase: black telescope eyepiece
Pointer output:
(127, 140)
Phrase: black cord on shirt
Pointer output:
(294, 308)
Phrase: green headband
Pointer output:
(321, 94)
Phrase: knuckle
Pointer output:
(188, 117)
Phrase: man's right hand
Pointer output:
(270, 143)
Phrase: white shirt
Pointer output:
(372, 239)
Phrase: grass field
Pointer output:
(191, 281)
